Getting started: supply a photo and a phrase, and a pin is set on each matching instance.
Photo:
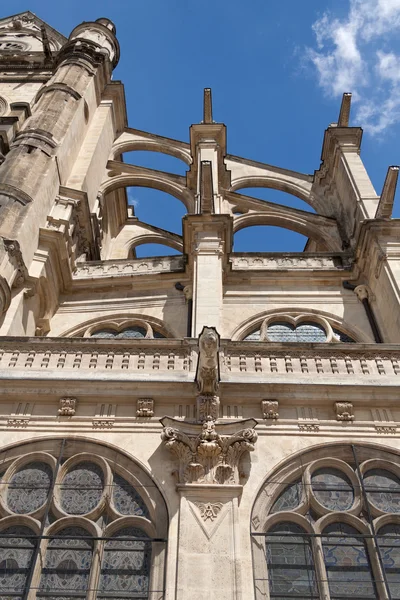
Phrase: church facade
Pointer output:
(205, 425)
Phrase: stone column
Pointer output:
(210, 480)
(43, 151)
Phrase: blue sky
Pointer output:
(277, 72)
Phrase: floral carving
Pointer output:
(67, 407)
(145, 407)
(208, 510)
(344, 411)
(206, 455)
(269, 409)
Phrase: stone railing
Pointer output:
(289, 260)
(137, 266)
(86, 357)
(251, 361)
(294, 361)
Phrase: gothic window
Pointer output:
(68, 561)
(129, 332)
(290, 561)
(94, 526)
(337, 510)
(16, 551)
(300, 328)
(126, 565)
(29, 487)
(82, 488)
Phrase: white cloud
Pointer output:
(132, 200)
(354, 54)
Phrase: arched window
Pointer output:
(300, 328)
(75, 525)
(329, 527)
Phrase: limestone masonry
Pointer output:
(211, 425)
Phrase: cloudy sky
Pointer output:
(277, 72)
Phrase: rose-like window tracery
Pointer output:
(95, 532)
(347, 512)
(300, 328)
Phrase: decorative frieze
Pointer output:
(344, 411)
(103, 423)
(67, 407)
(290, 260)
(145, 407)
(109, 268)
(209, 453)
(14, 422)
(269, 409)
(309, 427)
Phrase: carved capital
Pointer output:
(145, 407)
(67, 407)
(207, 374)
(344, 411)
(269, 409)
(206, 454)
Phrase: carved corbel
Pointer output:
(14, 252)
(344, 411)
(206, 454)
(145, 407)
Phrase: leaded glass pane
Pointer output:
(126, 499)
(67, 567)
(15, 560)
(254, 336)
(132, 332)
(82, 488)
(104, 333)
(290, 563)
(29, 487)
(383, 490)
(290, 498)
(304, 332)
(342, 337)
(389, 543)
(126, 566)
(347, 563)
(332, 489)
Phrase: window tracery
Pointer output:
(91, 532)
(301, 328)
(123, 329)
(345, 511)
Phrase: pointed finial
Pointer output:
(385, 206)
(207, 110)
(206, 188)
(344, 115)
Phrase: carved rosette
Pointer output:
(208, 453)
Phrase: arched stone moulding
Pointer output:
(292, 314)
(134, 139)
(118, 323)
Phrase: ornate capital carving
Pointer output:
(145, 407)
(269, 409)
(67, 407)
(344, 411)
(207, 374)
(205, 454)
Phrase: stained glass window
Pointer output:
(126, 499)
(347, 564)
(383, 490)
(67, 567)
(126, 566)
(290, 563)
(305, 332)
(16, 554)
(133, 332)
(332, 489)
(254, 336)
(389, 544)
(289, 499)
(29, 487)
(82, 488)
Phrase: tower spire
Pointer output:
(207, 108)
